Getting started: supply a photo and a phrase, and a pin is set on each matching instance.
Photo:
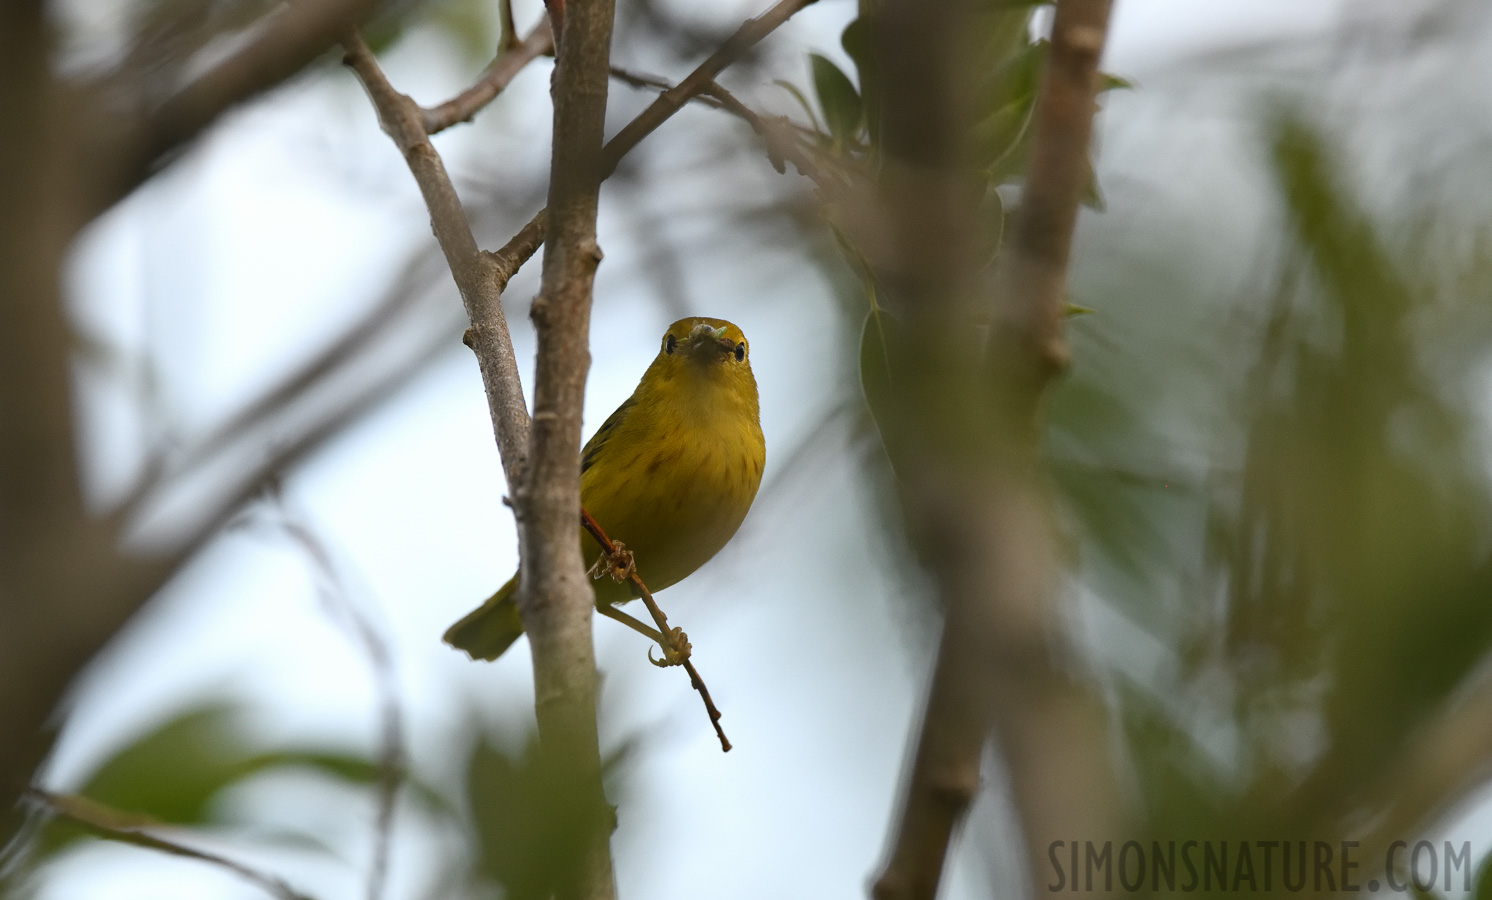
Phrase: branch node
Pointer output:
(620, 564)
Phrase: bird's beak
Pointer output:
(706, 343)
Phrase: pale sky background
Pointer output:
(289, 217)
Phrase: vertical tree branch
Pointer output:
(1034, 273)
(969, 426)
(555, 596)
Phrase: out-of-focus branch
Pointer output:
(494, 78)
(475, 272)
(286, 42)
(1034, 273)
(388, 315)
(528, 240)
(675, 645)
(127, 829)
(969, 440)
(1444, 762)
(391, 756)
(777, 132)
(555, 598)
(64, 586)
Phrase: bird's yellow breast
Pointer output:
(674, 471)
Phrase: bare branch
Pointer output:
(673, 641)
(475, 273)
(528, 240)
(494, 78)
(130, 829)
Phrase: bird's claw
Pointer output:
(675, 650)
(619, 563)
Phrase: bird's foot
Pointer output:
(675, 650)
(619, 563)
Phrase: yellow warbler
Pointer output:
(670, 474)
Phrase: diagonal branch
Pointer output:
(777, 132)
(287, 40)
(494, 78)
(528, 240)
(475, 272)
(672, 640)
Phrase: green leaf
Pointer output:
(1072, 311)
(173, 772)
(857, 42)
(880, 353)
(843, 110)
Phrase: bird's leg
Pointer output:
(611, 612)
(676, 646)
(619, 563)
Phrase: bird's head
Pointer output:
(704, 342)
(706, 361)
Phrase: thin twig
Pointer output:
(777, 132)
(509, 27)
(498, 74)
(671, 651)
(391, 756)
(129, 829)
(528, 240)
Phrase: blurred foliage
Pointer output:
(844, 144)
(527, 822)
(1321, 590)
(176, 774)
(531, 820)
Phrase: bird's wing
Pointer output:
(597, 443)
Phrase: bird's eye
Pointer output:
(740, 351)
(668, 343)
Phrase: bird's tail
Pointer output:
(488, 630)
